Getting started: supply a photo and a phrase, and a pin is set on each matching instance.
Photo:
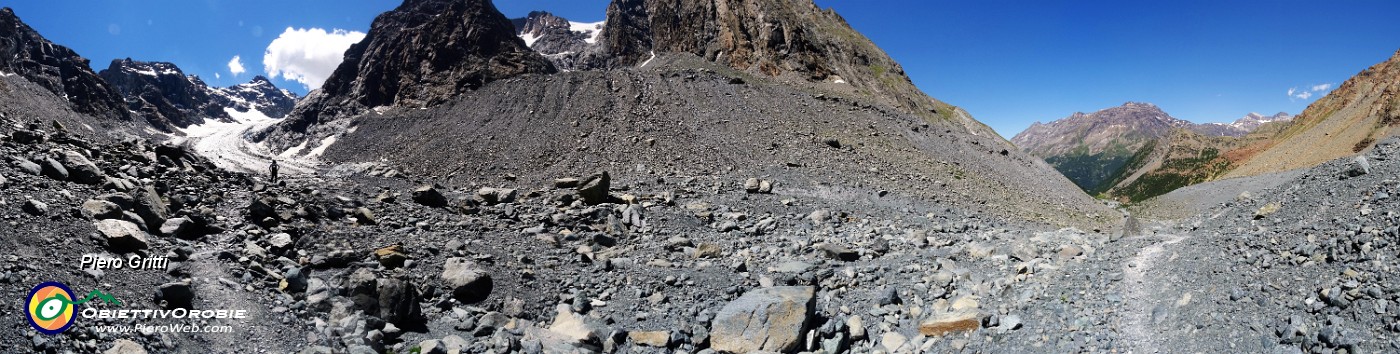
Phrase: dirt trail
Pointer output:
(1141, 297)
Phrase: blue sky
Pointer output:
(1009, 63)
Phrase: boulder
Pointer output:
(391, 257)
(151, 207)
(28, 166)
(657, 339)
(469, 282)
(122, 236)
(573, 326)
(1359, 166)
(839, 252)
(176, 227)
(767, 319)
(53, 169)
(428, 195)
(101, 209)
(34, 207)
(566, 182)
(594, 189)
(490, 195)
(398, 301)
(82, 170)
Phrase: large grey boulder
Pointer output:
(468, 282)
(151, 207)
(81, 170)
(122, 236)
(768, 319)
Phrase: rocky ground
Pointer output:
(366, 258)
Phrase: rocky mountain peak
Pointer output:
(56, 68)
(259, 94)
(162, 93)
(422, 53)
(565, 43)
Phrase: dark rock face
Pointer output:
(259, 94)
(57, 69)
(776, 38)
(163, 94)
(422, 53)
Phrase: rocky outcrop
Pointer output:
(56, 68)
(162, 93)
(422, 53)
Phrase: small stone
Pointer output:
(392, 256)
(751, 185)
(951, 321)
(889, 297)
(856, 326)
(566, 183)
(840, 253)
(657, 339)
(28, 166)
(1359, 166)
(1011, 322)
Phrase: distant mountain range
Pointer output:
(1135, 152)
(1107, 149)
(169, 99)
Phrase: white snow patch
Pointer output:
(293, 151)
(593, 29)
(5, 74)
(325, 143)
(530, 39)
(644, 64)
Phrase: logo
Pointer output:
(51, 307)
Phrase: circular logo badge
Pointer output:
(51, 308)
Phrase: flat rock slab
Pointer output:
(767, 319)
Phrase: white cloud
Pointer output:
(308, 56)
(1321, 87)
(216, 76)
(1295, 94)
(235, 65)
